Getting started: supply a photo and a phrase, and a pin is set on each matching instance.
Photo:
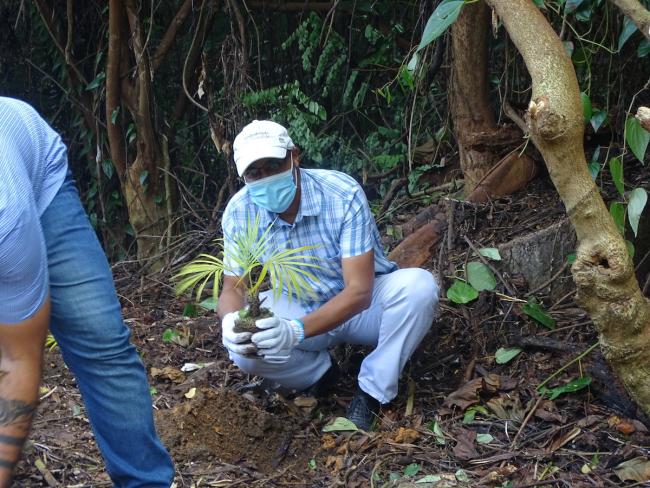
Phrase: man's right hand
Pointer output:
(236, 342)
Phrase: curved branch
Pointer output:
(637, 14)
(193, 55)
(170, 35)
(142, 113)
(47, 15)
(68, 43)
(242, 34)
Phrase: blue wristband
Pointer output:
(299, 328)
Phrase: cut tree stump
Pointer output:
(539, 256)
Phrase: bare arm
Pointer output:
(21, 350)
(359, 279)
(232, 297)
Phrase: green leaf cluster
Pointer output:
(254, 260)
(479, 277)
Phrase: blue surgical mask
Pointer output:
(274, 193)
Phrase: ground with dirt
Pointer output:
(460, 419)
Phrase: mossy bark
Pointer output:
(606, 285)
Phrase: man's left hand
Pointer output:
(278, 337)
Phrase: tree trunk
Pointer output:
(141, 178)
(637, 14)
(143, 184)
(469, 102)
(606, 285)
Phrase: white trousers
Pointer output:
(403, 306)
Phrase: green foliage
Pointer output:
(340, 424)
(616, 170)
(636, 204)
(586, 107)
(442, 17)
(617, 211)
(50, 342)
(636, 137)
(332, 105)
(490, 253)
(534, 310)
(479, 278)
(471, 412)
(434, 427)
(460, 292)
(253, 253)
(574, 385)
(340, 82)
(189, 310)
(503, 355)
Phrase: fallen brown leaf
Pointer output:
(172, 374)
(563, 439)
(469, 393)
(335, 463)
(328, 442)
(464, 449)
(305, 402)
(406, 436)
(547, 410)
(507, 407)
(625, 427)
(637, 469)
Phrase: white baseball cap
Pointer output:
(260, 139)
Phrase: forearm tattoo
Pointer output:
(15, 411)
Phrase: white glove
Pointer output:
(236, 342)
(278, 338)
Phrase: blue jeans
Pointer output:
(94, 341)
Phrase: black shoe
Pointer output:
(326, 382)
(363, 410)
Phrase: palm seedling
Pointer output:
(251, 250)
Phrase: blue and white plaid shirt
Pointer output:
(333, 215)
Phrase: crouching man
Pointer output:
(360, 296)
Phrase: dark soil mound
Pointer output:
(223, 426)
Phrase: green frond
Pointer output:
(198, 273)
(250, 252)
(299, 270)
(188, 283)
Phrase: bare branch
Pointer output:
(68, 44)
(170, 35)
(242, 34)
(142, 114)
(47, 15)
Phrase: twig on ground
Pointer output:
(525, 422)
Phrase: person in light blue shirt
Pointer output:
(358, 295)
(53, 272)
